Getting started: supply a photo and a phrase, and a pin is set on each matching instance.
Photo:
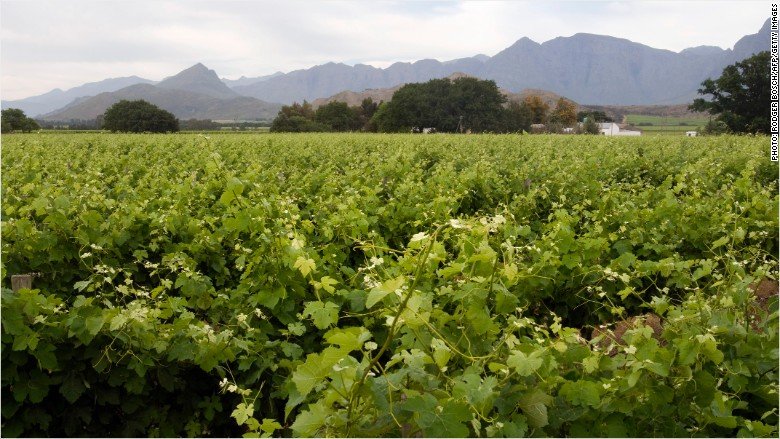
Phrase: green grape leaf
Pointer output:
(534, 406)
(348, 339)
(94, 324)
(582, 393)
(316, 368)
(327, 283)
(270, 426)
(304, 265)
(524, 364)
(310, 421)
(323, 314)
(243, 412)
(440, 419)
(72, 387)
(720, 242)
(387, 287)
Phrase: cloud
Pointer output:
(47, 44)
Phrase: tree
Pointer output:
(446, 105)
(14, 119)
(518, 118)
(480, 103)
(565, 113)
(297, 118)
(538, 107)
(297, 124)
(137, 117)
(365, 112)
(339, 116)
(590, 126)
(380, 120)
(296, 109)
(715, 127)
(594, 115)
(740, 97)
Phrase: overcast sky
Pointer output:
(50, 44)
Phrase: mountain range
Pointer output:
(194, 93)
(586, 68)
(50, 101)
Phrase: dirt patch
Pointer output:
(764, 291)
(614, 337)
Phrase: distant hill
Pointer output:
(591, 69)
(246, 81)
(196, 92)
(198, 79)
(547, 97)
(386, 94)
(50, 101)
(354, 98)
(618, 112)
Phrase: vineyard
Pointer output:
(389, 285)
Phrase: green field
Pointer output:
(657, 125)
(389, 285)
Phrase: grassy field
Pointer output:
(657, 125)
(372, 285)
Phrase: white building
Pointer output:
(612, 129)
(691, 133)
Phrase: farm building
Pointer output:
(691, 133)
(612, 129)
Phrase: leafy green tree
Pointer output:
(139, 116)
(446, 105)
(366, 112)
(296, 109)
(517, 117)
(740, 97)
(30, 125)
(297, 118)
(14, 119)
(407, 109)
(380, 120)
(715, 127)
(590, 126)
(480, 103)
(339, 116)
(297, 124)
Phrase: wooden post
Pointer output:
(20, 281)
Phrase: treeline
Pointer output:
(210, 125)
(73, 124)
(334, 116)
(184, 125)
(461, 105)
(14, 120)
